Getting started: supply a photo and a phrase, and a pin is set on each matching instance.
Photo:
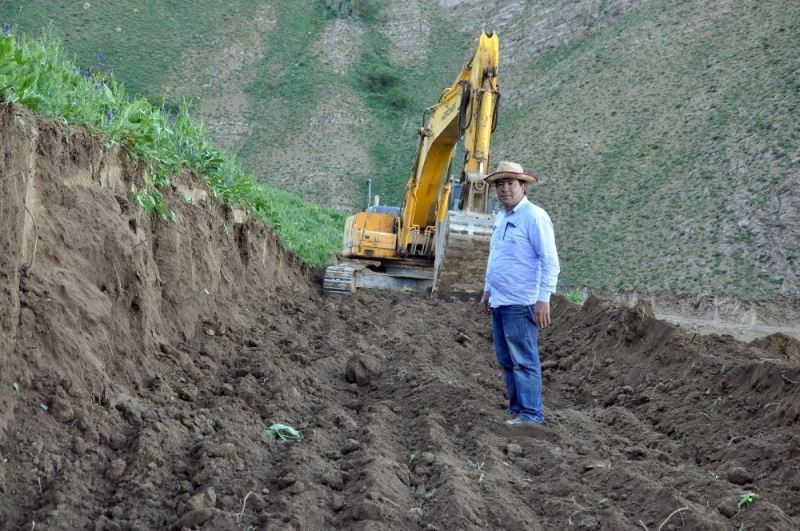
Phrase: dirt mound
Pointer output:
(142, 362)
(781, 345)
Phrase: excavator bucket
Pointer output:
(462, 248)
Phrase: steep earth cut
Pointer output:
(141, 361)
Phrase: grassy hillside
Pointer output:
(664, 138)
(666, 131)
(36, 73)
(258, 73)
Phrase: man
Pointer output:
(521, 274)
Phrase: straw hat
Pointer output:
(511, 170)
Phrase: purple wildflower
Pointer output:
(109, 115)
(171, 119)
(6, 29)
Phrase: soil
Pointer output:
(142, 361)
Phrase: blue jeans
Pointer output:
(516, 339)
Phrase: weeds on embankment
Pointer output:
(37, 74)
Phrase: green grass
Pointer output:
(36, 73)
(659, 134)
(147, 51)
(397, 97)
(287, 84)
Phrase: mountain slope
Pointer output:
(666, 132)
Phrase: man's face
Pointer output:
(510, 192)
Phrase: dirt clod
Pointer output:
(359, 370)
(188, 392)
(202, 500)
(739, 476)
(514, 450)
(116, 469)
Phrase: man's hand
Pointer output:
(541, 314)
(485, 301)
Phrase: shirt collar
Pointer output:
(519, 205)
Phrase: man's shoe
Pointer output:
(521, 420)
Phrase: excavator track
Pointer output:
(348, 276)
(339, 279)
(462, 249)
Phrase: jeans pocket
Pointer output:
(531, 314)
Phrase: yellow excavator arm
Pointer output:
(468, 110)
(390, 247)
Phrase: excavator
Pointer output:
(438, 239)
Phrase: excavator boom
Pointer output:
(425, 243)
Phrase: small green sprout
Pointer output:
(714, 474)
(15, 386)
(476, 465)
(414, 456)
(428, 495)
(747, 497)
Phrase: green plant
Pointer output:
(415, 456)
(476, 465)
(746, 498)
(575, 295)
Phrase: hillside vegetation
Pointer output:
(34, 72)
(670, 141)
(666, 131)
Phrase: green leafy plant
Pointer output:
(746, 498)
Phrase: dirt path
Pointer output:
(643, 420)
